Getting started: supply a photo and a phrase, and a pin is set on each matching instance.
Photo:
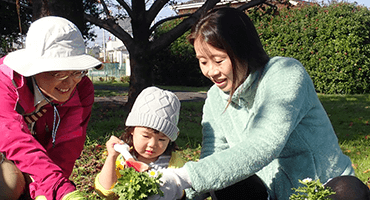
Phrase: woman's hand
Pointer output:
(174, 181)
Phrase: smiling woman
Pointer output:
(59, 85)
(263, 116)
(45, 112)
(216, 65)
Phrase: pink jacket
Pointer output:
(49, 167)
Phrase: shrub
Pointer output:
(176, 64)
(112, 79)
(332, 42)
(125, 79)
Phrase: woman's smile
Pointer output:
(59, 90)
(63, 90)
(220, 83)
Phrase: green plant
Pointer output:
(112, 78)
(177, 64)
(313, 190)
(331, 41)
(125, 79)
(133, 185)
(88, 166)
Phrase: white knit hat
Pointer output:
(52, 44)
(158, 109)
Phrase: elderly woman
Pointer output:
(45, 108)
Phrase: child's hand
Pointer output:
(124, 149)
(110, 146)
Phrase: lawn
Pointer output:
(350, 116)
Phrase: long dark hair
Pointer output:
(232, 31)
(127, 138)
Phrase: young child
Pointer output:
(151, 131)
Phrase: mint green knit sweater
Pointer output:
(275, 127)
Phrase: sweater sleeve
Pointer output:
(259, 134)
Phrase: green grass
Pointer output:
(120, 85)
(111, 83)
(350, 116)
(115, 89)
(183, 88)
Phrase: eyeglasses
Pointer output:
(62, 75)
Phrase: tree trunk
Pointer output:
(141, 70)
(141, 76)
(139, 45)
(69, 9)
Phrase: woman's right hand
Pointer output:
(110, 146)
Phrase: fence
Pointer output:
(110, 70)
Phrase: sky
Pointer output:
(361, 2)
(166, 12)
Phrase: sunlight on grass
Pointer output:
(109, 93)
(189, 124)
(350, 116)
(184, 88)
(110, 83)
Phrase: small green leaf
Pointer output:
(133, 185)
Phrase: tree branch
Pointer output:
(126, 7)
(165, 20)
(111, 26)
(251, 4)
(167, 38)
(106, 10)
(155, 9)
(13, 2)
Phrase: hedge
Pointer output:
(177, 64)
(332, 42)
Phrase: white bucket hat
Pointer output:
(52, 44)
(157, 109)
